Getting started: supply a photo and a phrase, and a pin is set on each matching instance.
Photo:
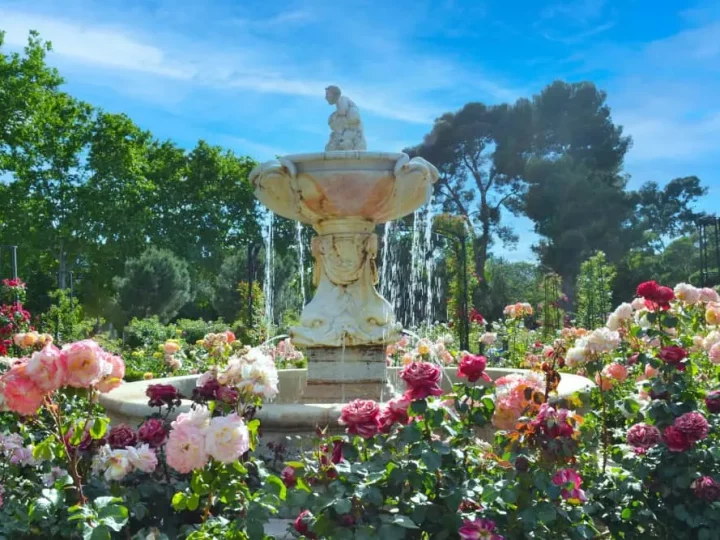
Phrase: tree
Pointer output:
(576, 193)
(227, 300)
(667, 212)
(156, 283)
(477, 151)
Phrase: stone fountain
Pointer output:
(343, 193)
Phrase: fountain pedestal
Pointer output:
(339, 375)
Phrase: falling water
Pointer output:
(415, 264)
(301, 259)
(385, 274)
(429, 263)
(268, 283)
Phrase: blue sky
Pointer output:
(250, 75)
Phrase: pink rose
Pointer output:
(185, 449)
(46, 369)
(422, 379)
(643, 436)
(709, 295)
(115, 377)
(143, 458)
(715, 353)
(20, 393)
(395, 412)
(472, 368)
(570, 482)
(227, 438)
(288, 477)
(693, 425)
(302, 524)
(361, 417)
(616, 371)
(604, 382)
(84, 362)
(675, 440)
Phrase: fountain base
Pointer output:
(337, 375)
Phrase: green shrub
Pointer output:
(147, 332)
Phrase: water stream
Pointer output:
(301, 259)
(269, 274)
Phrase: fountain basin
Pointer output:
(288, 416)
(327, 186)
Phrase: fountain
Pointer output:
(343, 194)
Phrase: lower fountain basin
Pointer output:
(288, 416)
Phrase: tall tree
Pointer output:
(476, 151)
(576, 191)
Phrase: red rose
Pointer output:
(643, 436)
(162, 394)
(230, 336)
(337, 451)
(288, 477)
(302, 523)
(712, 401)
(647, 289)
(361, 417)
(472, 368)
(228, 394)
(396, 411)
(206, 392)
(673, 355)
(121, 436)
(422, 379)
(676, 440)
(152, 432)
(476, 317)
(656, 296)
(693, 425)
(706, 488)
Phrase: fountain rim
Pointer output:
(289, 417)
(344, 155)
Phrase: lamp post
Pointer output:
(709, 235)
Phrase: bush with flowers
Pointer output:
(642, 462)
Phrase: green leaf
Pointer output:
(546, 513)
(418, 407)
(626, 514)
(253, 426)
(114, 516)
(295, 464)
(403, 521)
(99, 533)
(99, 428)
(102, 502)
(342, 506)
(192, 502)
(44, 451)
(281, 489)
(432, 460)
(179, 501)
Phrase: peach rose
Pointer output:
(45, 369)
(20, 393)
(84, 363)
(115, 377)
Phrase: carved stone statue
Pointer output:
(345, 123)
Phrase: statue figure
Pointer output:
(345, 123)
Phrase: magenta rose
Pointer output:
(162, 394)
(361, 417)
(121, 436)
(676, 440)
(706, 488)
(472, 368)
(206, 392)
(288, 477)
(152, 432)
(422, 379)
(337, 452)
(643, 436)
(693, 425)
(478, 529)
(712, 401)
(228, 394)
(674, 356)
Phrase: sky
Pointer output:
(250, 75)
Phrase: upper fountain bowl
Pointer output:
(328, 186)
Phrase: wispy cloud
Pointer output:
(573, 38)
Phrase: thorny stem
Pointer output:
(72, 460)
(604, 424)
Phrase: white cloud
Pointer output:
(93, 45)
